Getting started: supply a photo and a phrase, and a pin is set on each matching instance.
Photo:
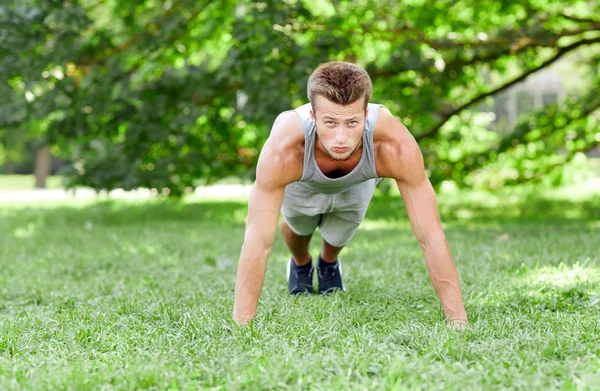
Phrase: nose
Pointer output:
(341, 135)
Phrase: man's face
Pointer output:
(339, 127)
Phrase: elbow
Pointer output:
(423, 243)
(423, 236)
(259, 249)
(430, 237)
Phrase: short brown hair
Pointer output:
(340, 82)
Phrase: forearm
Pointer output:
(250, 277)
(443, 274)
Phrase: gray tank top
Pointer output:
(311, 174)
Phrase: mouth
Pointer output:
(340, 149)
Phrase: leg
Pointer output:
(336, 229)
(298, 244)
(329, 253)
(329, 269)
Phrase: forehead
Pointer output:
(327, 108)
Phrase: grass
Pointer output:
(133, 295)
(20, 182)
(26, 182)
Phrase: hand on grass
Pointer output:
(242, 320)
(457, 324)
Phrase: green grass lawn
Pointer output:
(138, 295)
(24, 182)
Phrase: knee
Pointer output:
(333, 247)
(284, 227)
(286, 231)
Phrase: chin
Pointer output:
(340, 156)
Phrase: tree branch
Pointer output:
(504, 47)
(577, 19)
(446, 116)
(516, 46)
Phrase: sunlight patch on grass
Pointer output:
(239, 216)
(563, 276)
(579, 192)
(25, 231)
(375, 225)
(14, 182)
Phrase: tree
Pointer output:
(159, 95)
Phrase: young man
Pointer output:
(319, 167)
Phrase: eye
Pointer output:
(353, 123)
(328, 122)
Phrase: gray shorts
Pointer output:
(337, 215)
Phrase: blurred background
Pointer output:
(170, 95)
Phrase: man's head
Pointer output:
(339, 93)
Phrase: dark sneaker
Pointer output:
(330, 276)
(300, 278)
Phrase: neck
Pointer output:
(333, 168)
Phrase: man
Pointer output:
(319, 167)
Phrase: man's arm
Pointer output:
(263, 215)
(421, 205)
(277, 167)
(402, 160)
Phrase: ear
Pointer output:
(312, 115)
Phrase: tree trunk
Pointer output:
(43, 159)
(9, 167)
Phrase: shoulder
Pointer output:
(287, 129)
(397, 153)
(388, 127)
(282, 156)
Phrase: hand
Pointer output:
(242, 320)
(243, 323)
(457, 324)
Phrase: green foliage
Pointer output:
(161, 94)
(538, 146)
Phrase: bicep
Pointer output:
(277, 167)
(266, 197)
(421, 205)
(417, 193)
(402, 160)
(264, 205)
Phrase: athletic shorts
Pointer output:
(337, 215)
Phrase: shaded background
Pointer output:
(169, 95)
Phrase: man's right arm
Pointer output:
(277, 167)
(263, 214)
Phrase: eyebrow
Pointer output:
(349, 119)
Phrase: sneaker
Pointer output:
(300, 278)
(330, 276)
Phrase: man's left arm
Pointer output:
(421, 204)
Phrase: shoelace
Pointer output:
(304, 274)
(328, 272)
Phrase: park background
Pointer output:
(129, 134)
